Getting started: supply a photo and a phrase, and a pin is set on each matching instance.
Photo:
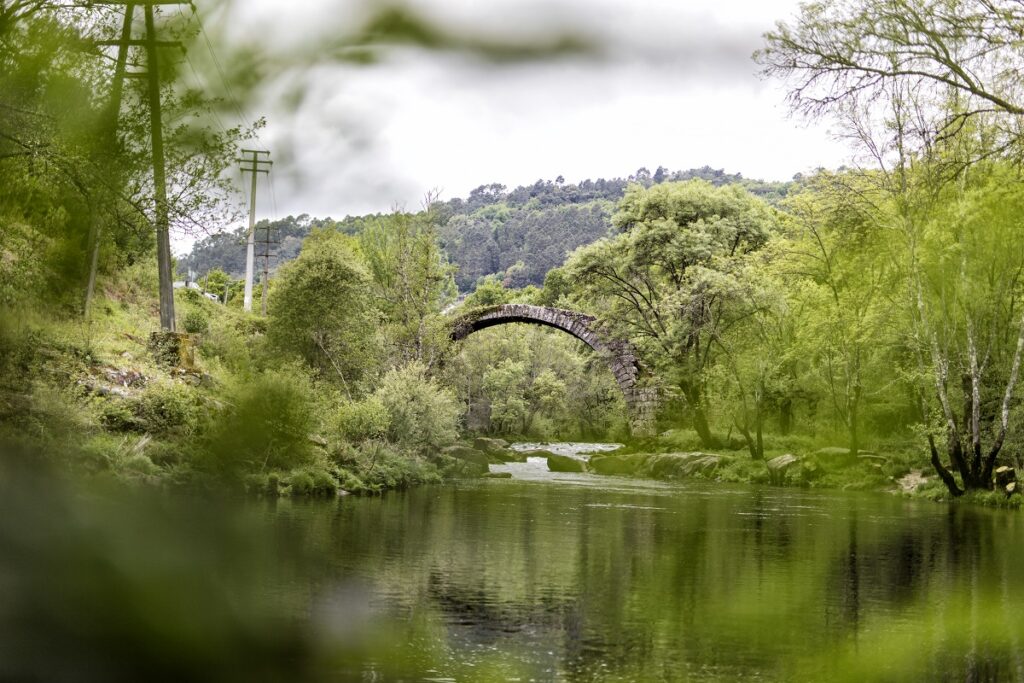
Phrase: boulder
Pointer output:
(467, 454)
(680, 465)
(455, 468)
(616, 464)
(1004, 476)
(497, 450)
(777, 468)
(563, 463)
(508, 456)
(498, 475)
(485, 444)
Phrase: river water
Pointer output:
(583, 578)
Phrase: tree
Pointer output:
(423, 416)
(837, 247)
(505, 386)
(758, 353)
(931, 91)
(965, 261)
(961, 52)
(321, 309)
(661, 280)
(412, 283)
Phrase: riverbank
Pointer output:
(110, 397)
(896, 470)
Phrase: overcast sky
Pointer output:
(663, 82)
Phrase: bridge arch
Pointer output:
(619, 354)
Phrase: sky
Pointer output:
(657, 82)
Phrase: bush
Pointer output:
(383, 467)
(167, 408)
(196, 322)
(424, 416)
(265, 425)
(360, 421)
(311, 481)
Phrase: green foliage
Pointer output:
(196, 321)
(516, 235)
(311, 481)
(669, 282)
(412, 283)
(167, 408)
(504, 386)
(527, 380)
(365, 420)
(423, 415)
(321, 310)
(265, 424)
(490, 291)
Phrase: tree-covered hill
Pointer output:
(518, 235)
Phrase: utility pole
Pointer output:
(254, 166)
(152, 75)
(109, 141)
(264, 253)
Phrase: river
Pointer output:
(583, 578)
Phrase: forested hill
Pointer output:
(518, 235)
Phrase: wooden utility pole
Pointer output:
(266, 244)
(163, 240)
(163, 227)
(109, 141)
(254, 166)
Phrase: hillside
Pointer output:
(518, 235)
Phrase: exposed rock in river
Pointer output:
(562, 463)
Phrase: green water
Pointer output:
(581, 578)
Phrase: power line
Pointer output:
(273, 196)
(220, 70)
(201, 81)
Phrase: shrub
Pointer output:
(167, 408)
(312, 481)
(384, 467)
(321, 309)
(117, 416)
(196, 321)
(359, 421)
(423, 416)
(265, 426)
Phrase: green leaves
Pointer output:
(320, 309)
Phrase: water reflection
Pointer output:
(575, 582)
(571, 577)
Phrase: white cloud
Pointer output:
(673, 85)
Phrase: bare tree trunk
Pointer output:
(699, 416)
(759, 430)
(1004, 410)
(94, 259)
(786, 416)
(975, 416)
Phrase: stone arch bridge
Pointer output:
(619, 354)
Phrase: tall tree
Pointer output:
(412, 283)
(659, 280)
(321, 310)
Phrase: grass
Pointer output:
(91, 395)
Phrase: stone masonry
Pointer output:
(641, 398)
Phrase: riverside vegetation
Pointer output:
(865, 320)
(858, 328)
